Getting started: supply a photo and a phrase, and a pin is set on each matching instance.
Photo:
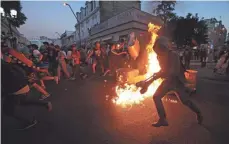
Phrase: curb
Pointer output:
(225, 79)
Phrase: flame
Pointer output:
(130, 94)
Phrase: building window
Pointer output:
(91, 5)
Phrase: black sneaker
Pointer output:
(28, 125)
(161, 123)
(199, 118)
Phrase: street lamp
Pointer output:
(13, 13)
(58, 34)
(9, 17)
(66, 4)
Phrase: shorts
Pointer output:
(96, 61)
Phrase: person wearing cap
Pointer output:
(174, 79)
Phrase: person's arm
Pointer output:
(117, 53)
(89, 55)
(37, 53)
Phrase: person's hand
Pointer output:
(144, 90)
(140, 84)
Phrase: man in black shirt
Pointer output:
(52, 55)
(15, 90)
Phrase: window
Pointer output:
(91, 5)
(94, 4)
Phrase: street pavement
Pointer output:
(82, 114)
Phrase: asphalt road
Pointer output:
(83, 115)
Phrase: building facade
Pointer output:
(11, 32)
(227, 37)
(39, 40)
(217, 33)
(57, 42)
(119, 26)
(68, 38)
(96, 12)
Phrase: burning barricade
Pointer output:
(127, 92)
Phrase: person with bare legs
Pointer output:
(62, 64)
(97, 56)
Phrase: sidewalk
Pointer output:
(207, 73)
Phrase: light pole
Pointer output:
(66, 4)
(9, 16)
(58, 34)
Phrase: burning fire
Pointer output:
(130, 94)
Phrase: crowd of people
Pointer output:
(204, 55)
(30, 66)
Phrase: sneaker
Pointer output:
(161, 122)
(199, 118)
(44, 96)
(49, 106)
(28, 125)
(72, 78)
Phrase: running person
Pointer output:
(97, 56)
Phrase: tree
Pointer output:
(188, 29)
(21, 18)
(165, 10)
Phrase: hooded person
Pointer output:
(174, 79)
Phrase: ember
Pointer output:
(130, 94)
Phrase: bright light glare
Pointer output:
(65, 4)
(2, 11)
(13, 13)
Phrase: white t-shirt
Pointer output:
(69, 54)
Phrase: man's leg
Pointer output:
(184, 97)
(26, 101)
(159, 94)
(9, 104)
(64, 68)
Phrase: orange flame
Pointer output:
(130, 94)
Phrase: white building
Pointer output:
(68, 38)
(96, 12)
(119, 26)
(57, 42)
(16, 36)
(217, 32)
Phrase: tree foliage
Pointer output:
(16, 5)
(185, 30)
(165, 10)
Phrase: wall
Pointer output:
(87, 21)
(125, 17)
(109, 9)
